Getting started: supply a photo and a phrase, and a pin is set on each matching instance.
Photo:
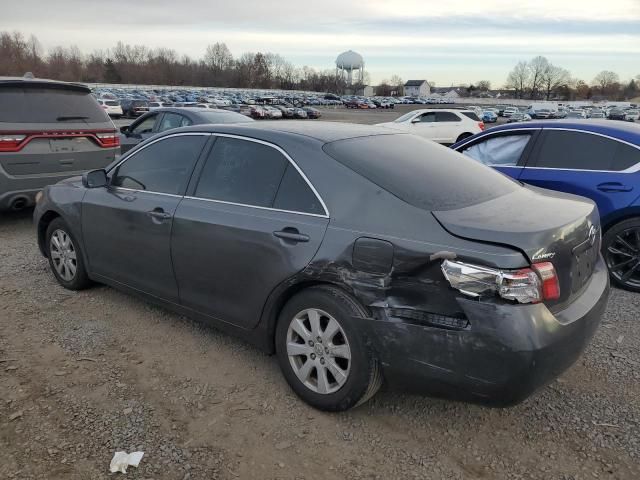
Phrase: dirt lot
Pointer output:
(85, 374)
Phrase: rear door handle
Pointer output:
(292, 235)
(614, 187)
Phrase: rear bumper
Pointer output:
(505, 354)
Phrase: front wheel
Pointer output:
(65, 257)
(323, 356)
(621, 251)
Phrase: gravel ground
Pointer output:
(85, 374)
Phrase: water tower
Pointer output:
(348, 62)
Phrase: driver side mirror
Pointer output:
(124, 130)
(416, 120)
(95, 179)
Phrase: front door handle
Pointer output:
(614, 187)
(292, 235)
(159, 214)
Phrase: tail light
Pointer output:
(108, 140)
(527, 285)
(481, 125)
(11, 143)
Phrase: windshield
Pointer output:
(405, 117)
(420, 172)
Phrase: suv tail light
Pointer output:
(11, 143)
(481, 125)
(527, 285)
(108, 140)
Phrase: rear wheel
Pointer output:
(463, 136)
(323, 357)
(65, 257)
(621, 250)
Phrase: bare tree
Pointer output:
(483, 85)
(537, 66)
(606, 80)
(518, 78)
(553, 78)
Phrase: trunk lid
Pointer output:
(546, 226)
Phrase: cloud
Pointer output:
(419, 37)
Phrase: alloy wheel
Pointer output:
(63, 255)
(623, 257)
(318, 351)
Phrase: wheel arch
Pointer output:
(619, 216)
(279, 298)
(44, 222)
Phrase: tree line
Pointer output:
(138, 64)
(541, 79)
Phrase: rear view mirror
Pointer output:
(95, 179)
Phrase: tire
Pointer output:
(58, 233)
(463, 136)
(621, 251)
(357, 379)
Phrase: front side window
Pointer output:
(162, 167)
(145, 126)
(241, 171)
(503, 150)
(428, 117)
(584, 151)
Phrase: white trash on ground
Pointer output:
(121, 460)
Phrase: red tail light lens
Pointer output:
(481, 125)
(11, 143)
(550, 283)
(108, 140)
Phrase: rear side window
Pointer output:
(471, 115)
(447, 117)
(295, 194)
(501, 150)
(163, 167)
(420, 172)
(48, 105)
(583, 151)
(241, 171)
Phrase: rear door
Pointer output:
(127, 225)
(587, 164)
(505, 151)
(448, 127)
(252, 220)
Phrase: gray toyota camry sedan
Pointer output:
(357, 255)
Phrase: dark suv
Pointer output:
(48, 131)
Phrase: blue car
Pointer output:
(593, 158)
(489, 116)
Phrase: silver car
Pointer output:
(48, 131)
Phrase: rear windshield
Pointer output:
(226, 117)
(48, 105)
(112, 103)
(420, 172)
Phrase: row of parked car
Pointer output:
(465, 283)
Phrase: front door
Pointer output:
(127, 225)
(252, 221)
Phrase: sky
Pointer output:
(445, 41)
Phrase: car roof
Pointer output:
(42, 82)
(627, 131)
(323, 131)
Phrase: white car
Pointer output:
(156, 105)
(440, 125)
(112, 107)
(632, 115)
(510, 111)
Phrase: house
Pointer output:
(417, 88)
